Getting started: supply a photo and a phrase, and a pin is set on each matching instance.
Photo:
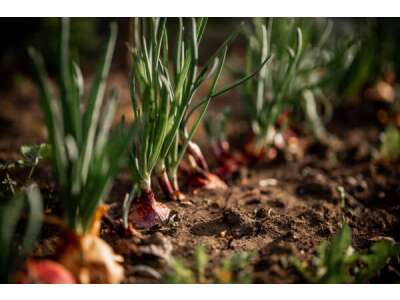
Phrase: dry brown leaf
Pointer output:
(89, 258)
(92, 260)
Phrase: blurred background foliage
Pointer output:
(19, 33)
(380, 38)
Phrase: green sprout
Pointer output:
(85, 154)
(9, 183)
(338, 262)
(234, 269)
(15, 245)
(33, 154)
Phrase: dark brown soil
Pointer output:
(273, 209)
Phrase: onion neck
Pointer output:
(195, 151)
(145, 184)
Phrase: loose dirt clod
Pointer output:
(240, 224)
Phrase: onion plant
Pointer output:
(228, 162)
(86, 153)
(162, 91)
(327, 58)
(299, 80)
(199, 174)
(325, 61)
(266, 96)
(14, 248)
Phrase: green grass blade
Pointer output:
(104, 129)
(200, 116)
(50, 116)
(91, 116)
(228, 88)
(35, 220)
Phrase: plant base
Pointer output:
(206, 180)
(147, 212)
(90, 259)
(168, 189)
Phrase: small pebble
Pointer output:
(269, 212)
(268, 182)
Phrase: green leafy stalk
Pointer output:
(300, 80)
(14, 248)
(266, 95)
(85, 153)
(162, 91)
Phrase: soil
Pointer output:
(274, 210)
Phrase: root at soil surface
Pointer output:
(147, 212)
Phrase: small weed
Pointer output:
(235, 269)
(339, 262)
(33, 154)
